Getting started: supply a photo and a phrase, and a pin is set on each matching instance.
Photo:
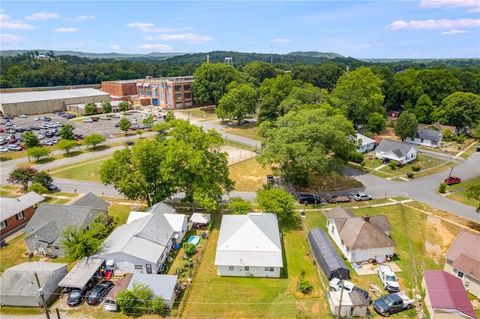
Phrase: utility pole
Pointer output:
(58, 313)
(42, 296)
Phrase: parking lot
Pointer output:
(47, 127)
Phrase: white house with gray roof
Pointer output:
(43, 233)
(249, 246)
(426, 137)
(143, 244)
(364, 143)
(400, 152)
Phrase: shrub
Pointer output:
(442, 188)
(356, 157)
(410, 175)
(415, 168)
(304, 286)
(238, 206)
(37, 188)
(189, 249)
(393, 165)
(460, 138)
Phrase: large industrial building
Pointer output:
(120, 89)
(166, 93)
(38, 102)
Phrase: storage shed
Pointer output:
(331, 264)
(18, 286)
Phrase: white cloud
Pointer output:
(471, 5)
(182, 37)
(9, 38)
(434, 24)
(42, 16)
(282, 40)
(156, 46)
(115, 47)
(66, 29)
(455, 32)
(7, 23)
(361, 46)
(149, 27)
(81, 18)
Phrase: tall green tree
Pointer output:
(43, 178)
(94, 139)
(212, 80)
(30, 139)
(260, 71)
(123, 106)
(459, 109)
(405, 90)
(107, 107)
(38, 152)
(67, 145)
(376, 123)
(358, 94)
(22, 176)
(124, 124)
(66, 132)
(324, 75)
(307, 142)
(277, 201)
(91, 109)
(438, 84)
(406, 125)
(307, 94)
(239, 102)
(424, 109)
(272, 92)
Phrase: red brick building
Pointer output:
(122, 88)
(16, 212)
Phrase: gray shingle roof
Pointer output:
(11, 206)
(19, 280)
(359, 234)
(50, 220)
(398, 148)
(429, 134)
(91, 200)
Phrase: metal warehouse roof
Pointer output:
(326, 256)
(79, 276)
(162, 285)
(35, 96)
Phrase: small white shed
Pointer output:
(163, 286)
(353, 304)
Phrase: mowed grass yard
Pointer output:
(89, 171)
(458, 192)
(247, 130)
(429, 239)
(249, 175)
(229, 297)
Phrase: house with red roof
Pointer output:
(445, 296)
(463, 260)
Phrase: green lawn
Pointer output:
(248, 175)
(89, 171)
(13, 253)
(119, 211)
(420, 232)
(459, 192)
(248, 130)
(230, 297)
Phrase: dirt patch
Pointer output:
(437, 247)
(316, 308)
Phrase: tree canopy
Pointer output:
(277, 201)
(238, 102)
(260, 71)
(66, 132)
(459, 109)
(406, 125)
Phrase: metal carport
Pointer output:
(81, 273)
(331, 264)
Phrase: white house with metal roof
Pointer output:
(400, 152)
(249, 246)
(143, 244)
(365, 144)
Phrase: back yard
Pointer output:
(228, 297)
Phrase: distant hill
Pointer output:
(110, 55)
(316, 54)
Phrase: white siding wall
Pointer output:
(472, 285)
(239, 271)
(366, 148)
(419, 141)
(127, 263)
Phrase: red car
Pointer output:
(452, 180)
(2, 130)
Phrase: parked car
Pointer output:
(53, 188)
(14, 147)
(88, 120)
(2, 130)
(129, 143)
(337, 284)
(388, 278)
(98, 292)
(3, 149)
(3, 141)
(110, 305)
(75, 297)
(338, 199)
(393, 303)
(361, 196)
(452, 180)
(306, 198)
(22, 116)
(77, 136)
(270, 179)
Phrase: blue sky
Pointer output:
(361, 29)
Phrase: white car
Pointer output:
(388, 278)
(361, 196)
(110, 305)
(336, 284)
(88, 120)
(3, 149)
(22, 116)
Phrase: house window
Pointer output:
(247, 268)
(56, 247)
(138, 267)
(20, 216)
(230, 268)
(3, 224)
(460, 274)
(149, 268)
(271, 269)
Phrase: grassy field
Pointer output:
(459, 192)
(204, 113)
(229, 297)
(248, 130)
(89, 171)
(430, 237)
(248, 175)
